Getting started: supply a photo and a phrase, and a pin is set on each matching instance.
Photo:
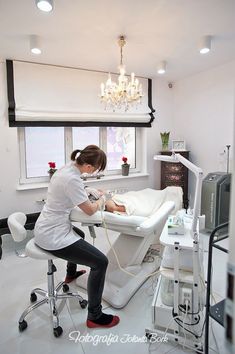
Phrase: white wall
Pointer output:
(203, 116)
(12, 199)
(199, 109)
(163, 103)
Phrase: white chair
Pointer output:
(16, 222)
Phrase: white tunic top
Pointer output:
(53, 229)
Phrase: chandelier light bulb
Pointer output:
(205, 44)
(45, 5)
(132, 78)
(161, 68)
(109, 81)
(122, 69)
(102, 89)
(35, 45)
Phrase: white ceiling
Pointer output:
(83, 33)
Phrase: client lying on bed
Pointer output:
(141, 203)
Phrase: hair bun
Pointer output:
(74, 154)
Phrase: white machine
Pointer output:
(136, 236)
(177, 307)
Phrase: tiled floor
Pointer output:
(19, 275)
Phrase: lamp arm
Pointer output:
(165, 158)
(197, 204)
(197, 200)
(197, 171)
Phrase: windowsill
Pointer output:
(27, 186)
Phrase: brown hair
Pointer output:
(91, 155)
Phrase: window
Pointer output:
(85, 136)
(43, 145)
(120, 142)
(38, 146)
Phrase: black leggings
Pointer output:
(81, 252)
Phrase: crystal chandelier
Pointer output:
(125, 92)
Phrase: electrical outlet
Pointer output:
(186, 294)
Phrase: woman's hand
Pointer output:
(101, 203)
(91, 208)
(96, 193)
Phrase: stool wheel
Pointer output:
(33, 297)
(83, 304)
(58, 331)
(148, 335)
(65, 288)
(22, 325)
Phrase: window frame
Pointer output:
(68, 147)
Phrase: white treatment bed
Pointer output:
(136, 236)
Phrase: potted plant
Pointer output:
(125, 167)
(165, 140)
(52, 168)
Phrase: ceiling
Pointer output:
(84, 34)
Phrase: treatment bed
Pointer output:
(137, 234)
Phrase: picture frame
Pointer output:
(178, 145)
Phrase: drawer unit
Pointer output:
(175, 174)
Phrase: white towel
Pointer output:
(147, 201)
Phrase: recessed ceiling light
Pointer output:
(45, 5)
(161, 68)
(205, 44)
(34, 44)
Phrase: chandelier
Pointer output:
(126, 92)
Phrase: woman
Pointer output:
(54, 231)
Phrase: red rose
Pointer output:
(51, 164)
(124, 159)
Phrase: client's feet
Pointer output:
(70, 278)
(105, 321)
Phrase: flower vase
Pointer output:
(165, 140)
(51, 172)
(125, 169)
(165, 146)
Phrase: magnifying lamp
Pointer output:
(197, 171)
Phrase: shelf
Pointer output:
(185, 240)
(184, 276)
(217, 312)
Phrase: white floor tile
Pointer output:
(19, 276)
(38, 337)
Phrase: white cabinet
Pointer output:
(178, 303)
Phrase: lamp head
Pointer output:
(205, 44)
(35, 47)
(161, 68)
(45, 5)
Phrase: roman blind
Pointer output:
(48, 95)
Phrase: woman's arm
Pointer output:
(90, 208)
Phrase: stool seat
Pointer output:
(33, 251)
(16, 224)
